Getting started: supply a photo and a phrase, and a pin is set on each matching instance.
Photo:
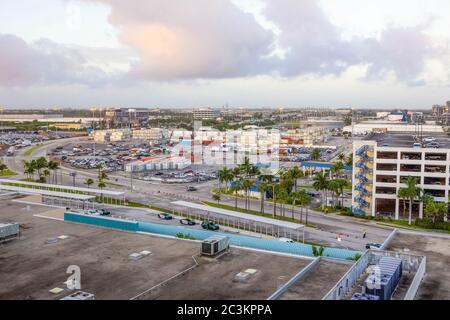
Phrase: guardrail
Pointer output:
(294, 279)
(414, 287)
(388, 240)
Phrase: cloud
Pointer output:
(182, 39)
(315, 46)
(43, 62)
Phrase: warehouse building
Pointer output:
(150, 164)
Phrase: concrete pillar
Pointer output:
(397, 208)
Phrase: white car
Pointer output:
(287, 240)
(429, 139)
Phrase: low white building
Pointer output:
(165, 163)
(388, 126)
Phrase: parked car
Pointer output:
(104, 212)
(417, 145)
(373, 246)
(190, 188)
(287, 240)
(188, 222)
(209, 225)
(165, 216)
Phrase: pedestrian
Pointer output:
(364, 234)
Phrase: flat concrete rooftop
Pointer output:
(30, 266)
(406, 140)
(436, 283)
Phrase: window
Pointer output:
(385, 207)
(435, 193)
(387, 166)
(385, 190)
(434, 169)
(434, 181)
(436, 156)
(411, 156)
(386, 155)
(410, 167)
(403, 179)
(386, 179)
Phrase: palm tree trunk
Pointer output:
(235, 199)
(262, 203)
(293, 204)
(410, 212)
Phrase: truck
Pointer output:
(11, 151)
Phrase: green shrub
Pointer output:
(185, 236)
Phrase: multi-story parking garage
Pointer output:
(379, 173)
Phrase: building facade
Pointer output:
(204, 114)
(126, 118)
(379, 173)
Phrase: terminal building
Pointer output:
(379, 173)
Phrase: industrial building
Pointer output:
(150, 164)
(204, 114)
(379, 173)
(126, 117)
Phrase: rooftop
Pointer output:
(31, 266)
(406, 140)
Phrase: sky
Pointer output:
(241, 53)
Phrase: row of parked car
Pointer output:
(207, 225)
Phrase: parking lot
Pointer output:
(407, 139)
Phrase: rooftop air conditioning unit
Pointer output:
(214, 245)
(80, 295)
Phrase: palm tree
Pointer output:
(46, 173)
(410, 192)
(304, 199)
(101, 185)
(40, 163)
(349, 161)
(283, 198)
(53, 166)
(246, 185)
(436, 211)
(262, 189)
(3, 166)
(321, 184)
(89, 182)
(341, 157)
(216, 196)
(294, 174)
(224, 175)
(235, 188)
(315, 154)
(337, 168)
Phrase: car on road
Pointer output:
(188, 222)
(373, 246)
(190, 188)
(104, 212)
(165, 216)
(433, 144)
(385, 145)
(429, 139)
(287, 240)
(417, 145)
(209, 225)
